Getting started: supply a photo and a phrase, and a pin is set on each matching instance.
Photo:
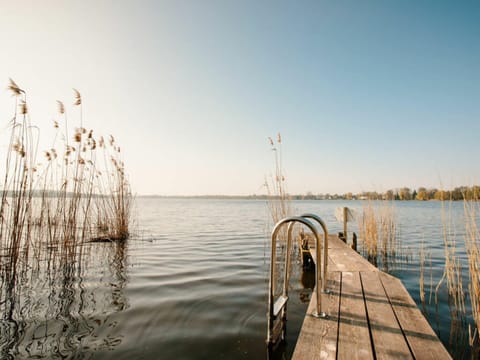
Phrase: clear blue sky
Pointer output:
(368, 95)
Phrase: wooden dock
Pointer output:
(370, 315)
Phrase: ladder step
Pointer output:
(279, 305)
(277, 331)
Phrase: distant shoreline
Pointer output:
(457, 194)
(266, 197)
(401, 194)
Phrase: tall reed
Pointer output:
(53, 209)
(472, 244)
(279, 206)
(378, 233)
(422, 275)
(452, 273)
(279, 201)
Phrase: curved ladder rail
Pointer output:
(275, 308)
(325, 247)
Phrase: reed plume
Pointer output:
(78, 97)
(14, 88)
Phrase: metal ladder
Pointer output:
(277, 308)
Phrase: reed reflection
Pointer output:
(58, 306)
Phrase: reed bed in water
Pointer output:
(425, 257)
(54, 201)
(378, 234)
(472, 245)
(461, 281)
(452, 275)
(453, 267)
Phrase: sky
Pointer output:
(367, 95)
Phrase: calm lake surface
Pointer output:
(192, 282)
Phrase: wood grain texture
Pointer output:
(353, 333)
(423, 341)
(369, 312)
(388, 339)
(318, 338)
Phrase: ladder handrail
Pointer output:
(291, 220)
(325, 246)
(286, 277)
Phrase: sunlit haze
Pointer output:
(368, 95)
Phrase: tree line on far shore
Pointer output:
(405, 193)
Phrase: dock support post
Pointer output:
(345, 218)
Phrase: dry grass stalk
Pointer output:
(472, 244)
(378, 233)
(279, 205)
(453, 268)
(279, 201)
(422, 274)
(424, 257)
(369, 232)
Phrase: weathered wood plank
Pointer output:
(388, 339)
(318, 338)
(335, 242)
(348, 260)
(421, 338)
(343, 258)
(353, 335)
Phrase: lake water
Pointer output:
(191, 283)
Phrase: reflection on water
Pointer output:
(60, 309)
(307, 280)
(193, 284)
